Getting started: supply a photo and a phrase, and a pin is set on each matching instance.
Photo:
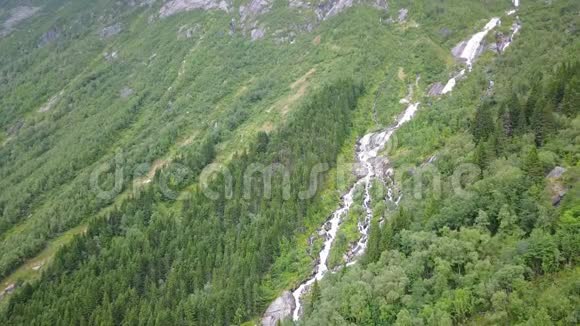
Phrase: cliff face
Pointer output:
(175, 6)
(247, 16)
(16, 16)
(279, 310)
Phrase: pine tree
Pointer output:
(533, 98)
(482, 221)
(483, 125)
(498, 141)
(374, 243)
(533, 167)
(315, 295)
(542, 122)
(505, 121)
(481, 156)
(516, 115)
(571, 99)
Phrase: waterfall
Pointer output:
(367, 150)
(369, 147)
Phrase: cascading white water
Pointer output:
(472, 46)
(469, 53)
(369, 147)
(452, 82)
(514, 30)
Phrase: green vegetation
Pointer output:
(152, 100)
(505, 251)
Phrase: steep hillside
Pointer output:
(486, 228)
(122, 122)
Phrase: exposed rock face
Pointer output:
(49, 37)
(332, 8)
(458, 49)
(111, 56)
(111, 31)
(254, 8)
(556, 186)
(279, 310)
(298, 4)
(257, 33)
(381, 4)
(436, 89)
(329, 8)
(17, 15)
(249, 13)
(175, 6)
(403, 13)
(187, 31)
(51, 102)
(126, 92)
(9, 289)
(140, 3)
(556, 172)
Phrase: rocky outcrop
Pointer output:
(51, 102)
(436, 89)
(257, 33)
(140, 3)
(247, 19)
(279, 310)
(381, 4)
(49, 37)
(111, 31)
(17, 15)
(556, 173)
(111, 56)
(403, 13)
(557, 188)
(9, 289)
(458, 49)
(126, 92)
(175, 6)
(332, 8)
(254, 9)
(187, 31)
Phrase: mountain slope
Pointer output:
(160, 90)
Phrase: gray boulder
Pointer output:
(279, 310)
(257, 33)
(458, 49)
(49, 37)
(254, 9)
(556, 172)
(436, 89)
(557, 188)
(111, 31)
(403, 13)
(173, 7)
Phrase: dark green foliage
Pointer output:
(483, 125)
(170, 260)
(532, 166)
(499, 252)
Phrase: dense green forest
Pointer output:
(505, 251)
(93, 88)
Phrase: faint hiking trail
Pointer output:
(367, 151)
